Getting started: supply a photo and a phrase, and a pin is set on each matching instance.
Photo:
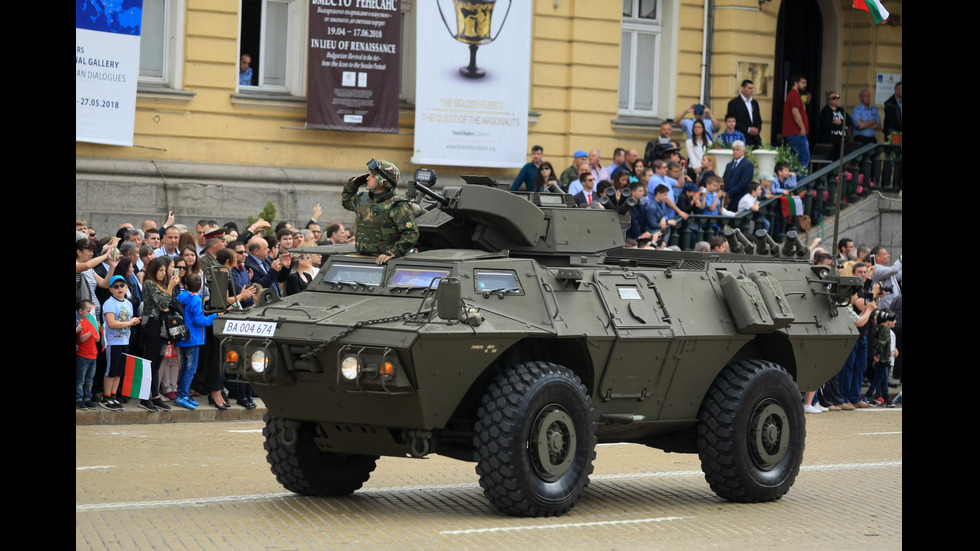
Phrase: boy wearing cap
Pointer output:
(117, 313)
(385, 222)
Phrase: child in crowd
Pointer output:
(87, 340)
(884, 352)
(190, 349)
(750, 201)
(117, 312)
(730, 135)
(713, 195)
(785, 180)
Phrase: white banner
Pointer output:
(107, 64)
(473, 82)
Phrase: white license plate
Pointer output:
(250, 328)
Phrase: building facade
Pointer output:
(604, 74)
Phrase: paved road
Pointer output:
(207, 486)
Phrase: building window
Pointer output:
(273, 34)
(639, 57)
(161, 43)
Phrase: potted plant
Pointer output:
(765, 157)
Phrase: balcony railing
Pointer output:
(877, 163)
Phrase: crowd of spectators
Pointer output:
(875, 360)
(128, 284)
(667, 188)
(695, 184)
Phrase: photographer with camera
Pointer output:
(659, 145)
(891, 278)
(863, 305)
(385, 222)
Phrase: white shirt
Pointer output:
(748, 105)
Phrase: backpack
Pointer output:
(172, 326)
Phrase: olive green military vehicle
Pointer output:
(522, 334)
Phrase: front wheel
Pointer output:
(302, 467)
(751, 432)
(535, 440)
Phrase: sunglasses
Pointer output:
(834, 97)
(181, 267)
(119, 286)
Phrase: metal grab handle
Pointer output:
(506, 13)
(444, 22)
(547, 286)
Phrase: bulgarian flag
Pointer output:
(98, 327)
(874, 7)
(136, 383)
(792, 205)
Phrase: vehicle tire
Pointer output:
(301, 467)
(751, 432)
(535, 440)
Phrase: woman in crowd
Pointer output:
(85, 262)
(188, 254)
(158, 289)
(708, 164)
(545, 172)
(302, 273)
(638, 167)
(228, 260)
(697, 146)
(621, 178)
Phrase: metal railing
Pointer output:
(878, 163)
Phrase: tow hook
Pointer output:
(288, 435)
(418, 445)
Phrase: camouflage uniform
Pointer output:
(385, 221)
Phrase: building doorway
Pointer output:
(799, 49)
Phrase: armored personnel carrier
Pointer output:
(522, 334)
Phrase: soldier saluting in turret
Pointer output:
(385, 222)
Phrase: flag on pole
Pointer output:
(98, 327)
(791, 205)
(137, 379)
(874, 7)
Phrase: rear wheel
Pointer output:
(301, 467)
(751, 432)
(535, 440)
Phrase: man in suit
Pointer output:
(748, 118)
(738, 173)
(587, 198)
(264, 272)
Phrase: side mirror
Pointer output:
(217, 282)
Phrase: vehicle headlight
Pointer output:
(259, 361)
(350, 367)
